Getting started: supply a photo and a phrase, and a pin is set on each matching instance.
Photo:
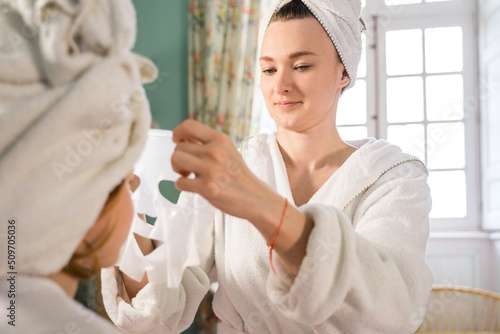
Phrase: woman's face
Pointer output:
(302, 77)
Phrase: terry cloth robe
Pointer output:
(364, 272)
(43, 307)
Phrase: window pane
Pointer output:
(493, 133)
(493, 196)
(404, 52)
(443, 50)
(409, 137)
(352, 105)
(353, 132)
(405, 98)
(444, 95)
(492, 111)
(445, 145)
(492, 27)
(401, 2)
(448, 193)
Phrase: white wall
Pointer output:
(463, 258)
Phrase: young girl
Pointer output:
(313, 234)
(73, 120)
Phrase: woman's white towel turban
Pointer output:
(73, 120)
(343, 22)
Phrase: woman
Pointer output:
(347, 223)
(69, 137)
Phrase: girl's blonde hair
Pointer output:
(74, 267)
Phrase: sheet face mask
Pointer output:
(176, 226)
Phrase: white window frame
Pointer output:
(489, 50)
(382, 18)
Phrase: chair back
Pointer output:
(462, 310)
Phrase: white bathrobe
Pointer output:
(364, 271)
(43, 307)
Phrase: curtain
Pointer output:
(222, 52)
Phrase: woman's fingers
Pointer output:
(189, 185)
(191, 148)
(193, 131)
(205, 152)
(211, 164)
(186, 163)
(210, 186)
(221, 174)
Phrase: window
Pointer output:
(419, 91)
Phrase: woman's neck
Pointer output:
(68, 283)
(312, 150)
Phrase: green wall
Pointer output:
(162, 37)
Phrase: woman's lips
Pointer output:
(287, 104)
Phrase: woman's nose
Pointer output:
(283, 83)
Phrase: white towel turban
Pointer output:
(343, 22)
(73, 120)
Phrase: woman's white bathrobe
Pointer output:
(364, 271)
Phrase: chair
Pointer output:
(459, 309)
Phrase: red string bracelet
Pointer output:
(271, 246)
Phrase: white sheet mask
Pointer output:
(176, 226)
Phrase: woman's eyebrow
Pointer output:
(291, 56)
(300, 54)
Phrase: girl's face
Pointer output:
(115, 218)
(302, 77)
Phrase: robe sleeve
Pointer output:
(157, 308)
(368, 271)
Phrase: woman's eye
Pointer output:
(269, 71)
(302, 67)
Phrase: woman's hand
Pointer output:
(220, 174)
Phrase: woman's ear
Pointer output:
(345, 79)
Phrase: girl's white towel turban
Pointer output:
(73, 120)
(343, 22)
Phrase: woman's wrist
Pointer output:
(291, 242)
(266, 217)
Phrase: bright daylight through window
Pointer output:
(416, 87)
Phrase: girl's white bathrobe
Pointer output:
(41, 306)
(364, 271)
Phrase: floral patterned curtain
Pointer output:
(222, 51)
